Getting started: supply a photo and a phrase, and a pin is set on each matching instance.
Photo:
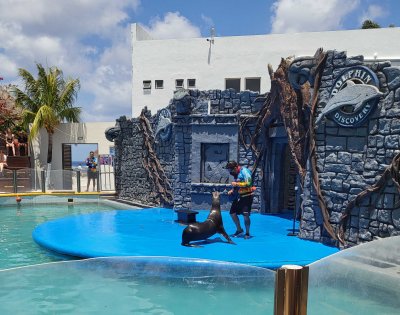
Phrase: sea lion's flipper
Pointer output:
(224, 234)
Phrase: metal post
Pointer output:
(43, 177)
(15, 181)
(98, 180)
(291, 290)
(78, 181)
(294, 232)
(109, 173)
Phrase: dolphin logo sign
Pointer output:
(353, 97)
(164, 125)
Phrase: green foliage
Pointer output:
(47, 101)
(10, 115)
(370, 24)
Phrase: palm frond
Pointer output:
(71, 114)
(27, 118)
(69, 93)
(44, 118)
(23, 100)
(47, 100)
(29, 82)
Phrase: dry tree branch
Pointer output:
(151, 162)
(391, 172)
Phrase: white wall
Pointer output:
(238, 57)
(90, 132)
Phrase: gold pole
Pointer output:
(291, 290)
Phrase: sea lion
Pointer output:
(203, 230)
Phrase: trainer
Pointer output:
(242, 195)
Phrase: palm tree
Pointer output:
(47, 102)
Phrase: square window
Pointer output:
(159, 84)
(179, 83)
(147, 85)
(191, 83)
(253, 84)
(232, 84)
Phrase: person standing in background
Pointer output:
(10, 141)
(23, 143)
(3, 160)
(91, 163)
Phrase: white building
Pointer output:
(71, 133)
(67, 138)
(159, 67)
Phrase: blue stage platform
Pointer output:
(154, 232)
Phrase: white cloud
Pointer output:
(111, 83)
(373, 12)
(207, 21)
(7, 67)
(68, 18)
(172, 26)
(292, 16)
(89, 40)
(66, 34)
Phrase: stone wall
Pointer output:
(211, 117)
(349, 160)
(132, 181)
(198, 117)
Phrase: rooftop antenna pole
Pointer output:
(212, 35)
(211, 41)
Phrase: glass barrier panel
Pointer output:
(138, 285)
(28, 180)
(6, 181)
(61, 180)
(84, 180)
(364, 279)
(107, 180)
(89, 181)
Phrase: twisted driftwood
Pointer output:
(282, 104)
(285, 104)
(391, 172)
(152, 164)
(321, 59)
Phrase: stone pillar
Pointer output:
(182, 176)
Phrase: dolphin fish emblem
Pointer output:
(164, 125)
(353, 95)
(112, 133)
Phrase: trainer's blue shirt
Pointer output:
(244, 181)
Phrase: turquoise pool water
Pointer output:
(361, 280)
(137, 285)
(17, 247)
(168, 285)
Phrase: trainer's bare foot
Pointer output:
(237, 233)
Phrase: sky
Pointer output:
(90, 39)
(80, 151)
